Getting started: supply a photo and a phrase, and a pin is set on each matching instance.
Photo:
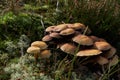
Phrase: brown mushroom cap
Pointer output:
(40, 44)
(89, 52)
(114, 61)
(60, 27)
(68, 48)
(55, 35)
(83, 40)
(45, 54)
(47, 38)
(94, 38)
(102, 45)
(101, 60)
(33, 49)
(49, 29)
(68, 31)
(110, 53)
(78, 26)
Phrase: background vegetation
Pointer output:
(24, 21)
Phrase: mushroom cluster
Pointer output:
(39, 49)
(75, 39)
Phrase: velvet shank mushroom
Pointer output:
(67, 38)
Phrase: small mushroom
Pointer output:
(34, 50)
(60, 27)
(49, 29)
(101, 60)
(114, 61)
(83, 40)
(40, 44)
(78, 26)
(47, 38)
(68, 48)
(88, 52)
(55, 35)
(102, 45)
(45, 54)
(110, 53)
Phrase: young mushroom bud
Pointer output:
(40, 44)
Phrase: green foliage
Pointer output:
(22, 23)
(4, 60)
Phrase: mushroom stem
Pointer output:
(36, 57)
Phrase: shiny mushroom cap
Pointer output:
(102, 45)
(45, 54)
(49, 29)
(33, 49)
(68, 48)
(40, 44)
(88, 52)
(68, 31)
(60, 27)
(101, 60)
(55, 35)
(78, 26)
(83, 40)
(47, 38)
